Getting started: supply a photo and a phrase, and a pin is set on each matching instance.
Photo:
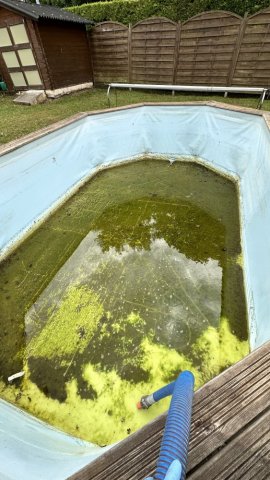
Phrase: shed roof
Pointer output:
(35, 11)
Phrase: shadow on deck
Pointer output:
(230, 433)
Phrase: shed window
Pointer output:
(5, 40)
(26, 57)
(19, 34)
(11, 59)
(18, 79)
(33, 77)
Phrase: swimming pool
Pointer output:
(52, 165)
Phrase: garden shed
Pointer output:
(42, 47)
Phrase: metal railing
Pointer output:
(263, 92)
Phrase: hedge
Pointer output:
(124, 11)
(132, 11)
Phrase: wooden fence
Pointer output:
(212, 48)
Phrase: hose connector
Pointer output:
(145, 402)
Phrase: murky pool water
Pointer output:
(137, 277)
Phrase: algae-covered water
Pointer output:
(137, 277)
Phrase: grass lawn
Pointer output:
(17, 120)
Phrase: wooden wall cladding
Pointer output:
(66, 51)
(109, 42)
(253, 62)
(39, 53)
(212, 48)
(9, 18)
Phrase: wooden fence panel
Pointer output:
(206, 49)
(212, 48)
(109, 49)
(153, 47)
(253, 63)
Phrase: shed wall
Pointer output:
(66, 51)
(7, 18)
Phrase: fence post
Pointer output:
(237, 49)
(130, 53)
(176, 51)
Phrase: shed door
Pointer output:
(18, 56)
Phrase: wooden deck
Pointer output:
(230, 433)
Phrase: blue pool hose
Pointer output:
(175, 439)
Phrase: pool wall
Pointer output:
(35, 177)
(33, 450)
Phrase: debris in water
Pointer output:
(15, 375)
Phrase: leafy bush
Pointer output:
(132, 11)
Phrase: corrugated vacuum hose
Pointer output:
(174, 445)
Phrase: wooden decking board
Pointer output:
(142, 462)
(229, 389)
(218, 434)
(230, 436)
(224, 415)
(253, 469)
(234, 400)
(257, 470)
(234, 375)
(216, 427)
(240, 455)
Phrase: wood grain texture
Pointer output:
(39, 54)
(110, 45)
(154, 42)
(66, 51)
(253, 64)
(203, 39)
(7, 17)
(229, 434)
(212, 48)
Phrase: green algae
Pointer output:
(70, 327)
(240, 260)
(136, 278)
(115, 414)
(217, 349)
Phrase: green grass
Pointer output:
(17, 120)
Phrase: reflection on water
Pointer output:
(147, 288)
(176, 296)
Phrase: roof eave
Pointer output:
(36, 17)
(86, 22)
(18, 9)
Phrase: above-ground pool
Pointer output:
(145, 271)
